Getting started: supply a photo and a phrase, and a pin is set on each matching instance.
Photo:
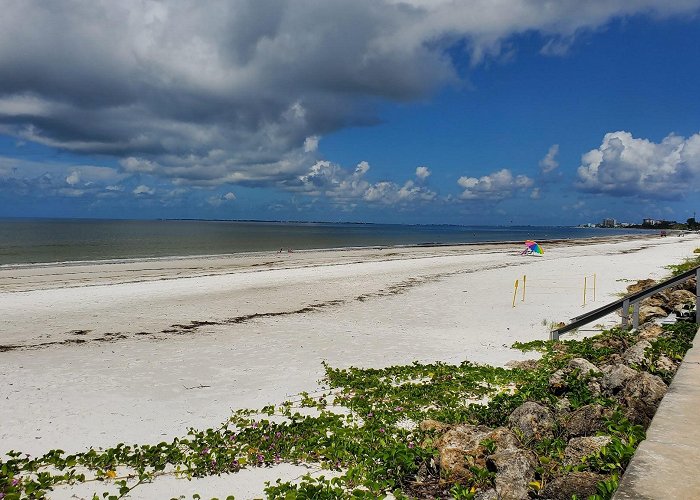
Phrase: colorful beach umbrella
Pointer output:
(534, 247)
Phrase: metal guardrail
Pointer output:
(633, 300)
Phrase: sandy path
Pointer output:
(262, 335)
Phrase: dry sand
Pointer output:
(137, 352)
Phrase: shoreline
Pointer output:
(131, 260)
(26, 277)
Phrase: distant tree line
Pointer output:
(691, 224)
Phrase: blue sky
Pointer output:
(425, 111)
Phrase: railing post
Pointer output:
(554, 335)
(625, 312)
(635, 315)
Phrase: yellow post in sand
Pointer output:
(515, 292)
(584, 289)
(524, 278)
(594, 277)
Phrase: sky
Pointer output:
(496, 112)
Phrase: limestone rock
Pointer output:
(533, 420)
(562, 406)
(680, 298)
(664, 295)
(460, 448)
(615, 377)
(666, 364)
(526, 364)
(688, 285)
(650, 331)
(615, 359)
(557, 382)
(642, 395)
(584, 366)
(647, 313)
(594, 387)
(515, 468)
(636, 354)
(586, 420)
(640, 285)
(433, 425)
(503, 439)
(581, 484)
(489, 494)
(656, 301)
(580, 447)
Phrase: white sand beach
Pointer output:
(137, 352)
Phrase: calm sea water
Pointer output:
(24, 241)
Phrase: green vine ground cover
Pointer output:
(363, 430)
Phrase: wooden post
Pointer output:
(584, 290)
(524, 278)
(594, 280)
(635, 315)
(515, 292)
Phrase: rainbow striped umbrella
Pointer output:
(534, 247)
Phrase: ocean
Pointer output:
(29, 241)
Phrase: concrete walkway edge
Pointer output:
(666, 464)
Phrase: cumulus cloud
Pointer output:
(422, 173)
(29, 178)
(142, 189)
(550, 163)
(73, 178)
(311, 144)
(219, 200)
(346, 188)
(496, 186)
(627, 166)
(240, 92)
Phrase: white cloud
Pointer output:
(535, 194)
(143, 190)
(557, 46)
(73, 178)
(496, 186)
(549, 163)
(136, 165)
(43, 179)
(219, 200)
(347, 188)
(422, 173)
(389, 193)
(627, 166)
(71, 192)
(311, 144)
(24, 105)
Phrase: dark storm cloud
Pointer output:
(176, 81)
(214, 92)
